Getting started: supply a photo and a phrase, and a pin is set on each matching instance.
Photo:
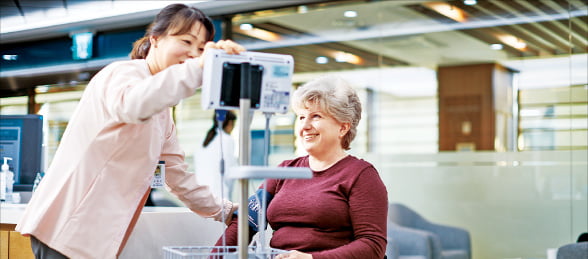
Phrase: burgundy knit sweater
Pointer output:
(340, 213)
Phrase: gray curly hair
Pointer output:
(335, 97)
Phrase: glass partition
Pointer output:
(475, 112)
(506, 81)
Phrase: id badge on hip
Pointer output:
(158, 180)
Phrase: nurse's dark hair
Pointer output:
(174, 19)
(212, 132)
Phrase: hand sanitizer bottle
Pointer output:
(38, 179)
(7, 178)
(2, 185)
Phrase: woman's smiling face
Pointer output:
(319, 132)
(175, 49)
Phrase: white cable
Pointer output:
(262, 212)
(222, 176)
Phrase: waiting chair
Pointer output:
(410, 236)
(573, 251)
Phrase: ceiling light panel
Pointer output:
(350, 14)
(448, 10)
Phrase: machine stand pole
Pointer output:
(244, 153)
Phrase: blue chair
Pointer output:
(410, 236)
(573, 251)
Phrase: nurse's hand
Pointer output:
(294, 255)
(229, 46)
(226, 213)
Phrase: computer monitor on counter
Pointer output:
(21, 138)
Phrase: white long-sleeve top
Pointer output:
(93, 192)
(207, 163)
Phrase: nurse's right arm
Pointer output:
(133, 95)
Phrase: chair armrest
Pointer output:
(411, 241)
(391, 248)
(451, 237)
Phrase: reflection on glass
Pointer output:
(517, 199)
(538, 108)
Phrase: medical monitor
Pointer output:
(21, 138)
(270, 80)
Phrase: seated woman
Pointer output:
(341, 212)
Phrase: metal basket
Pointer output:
(216, 252)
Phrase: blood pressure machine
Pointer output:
(250, 81)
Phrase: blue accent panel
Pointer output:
(58, 51)
(37, 54)
(257, 156)
(117, 44)
(218, 28)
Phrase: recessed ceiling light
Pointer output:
(341, 56)
(321, 60)
(513, 41)
(448, 10)
(246, 26)
(261, 34)
(496, 46)
(10, 57)
(302, 9)
(350, 14)
(520, 45)
(470, 2)
(42, 89)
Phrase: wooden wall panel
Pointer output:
(466, 106)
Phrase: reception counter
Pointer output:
(12, 243)
(157, 227)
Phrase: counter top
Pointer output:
(169, 226)
(157, 227)
(11, 213)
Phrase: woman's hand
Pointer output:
(229, 46)
(294, 255)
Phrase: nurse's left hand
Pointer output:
(229, 46)
(294, 255)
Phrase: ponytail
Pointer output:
(230, 116)
(141, 48)
(210, 135)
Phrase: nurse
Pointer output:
(218, 147)
(93, 192)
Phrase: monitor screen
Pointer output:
(21, 138)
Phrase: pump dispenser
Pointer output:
(7, 178)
